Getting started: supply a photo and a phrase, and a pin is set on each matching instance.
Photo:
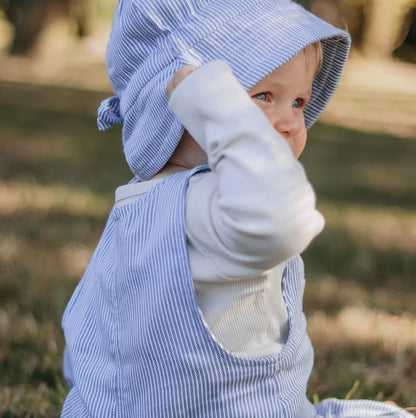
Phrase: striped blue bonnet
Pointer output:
(151, 39)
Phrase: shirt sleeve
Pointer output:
(256, 209)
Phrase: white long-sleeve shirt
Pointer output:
(245, 218)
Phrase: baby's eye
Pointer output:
(260, 96)
(299, 103)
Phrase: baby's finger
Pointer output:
(180, 75)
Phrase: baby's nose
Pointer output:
(286, 122)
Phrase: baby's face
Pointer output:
(282, 96)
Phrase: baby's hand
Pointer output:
(180, 75)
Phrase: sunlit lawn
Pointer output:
(361, 292)
(57, 180)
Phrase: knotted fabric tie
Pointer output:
(109, 113)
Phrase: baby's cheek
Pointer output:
(301, 143)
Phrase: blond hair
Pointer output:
(315, 53)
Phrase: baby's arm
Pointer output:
(257, 200)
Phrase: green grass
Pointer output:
(58, 176)
(57, 181)
(361, 271)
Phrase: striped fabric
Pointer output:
(360, 408)
(137, 345)
(152, 39)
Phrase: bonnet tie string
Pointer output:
(109, 113)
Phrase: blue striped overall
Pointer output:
(137, 345)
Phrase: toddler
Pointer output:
(191, 305)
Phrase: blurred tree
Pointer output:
(27, 18)
(377, 27)
(383, 31)
(328, 10)
(30, 17)
(80, 12)
(353, 13)
(305, 3)
(407, 49)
